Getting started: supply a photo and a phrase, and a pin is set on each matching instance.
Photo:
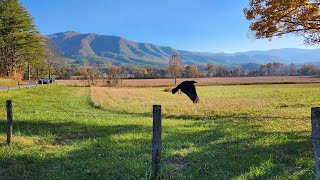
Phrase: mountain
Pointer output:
(100, 49)
(290, 55)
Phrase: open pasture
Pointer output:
(235, 132)
(201, 81)
(251, 101)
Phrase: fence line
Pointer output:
(103, 111)
(62, 111)
(19, 86)
(157, 141)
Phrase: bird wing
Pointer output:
(190, 91)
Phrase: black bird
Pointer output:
(188, 88)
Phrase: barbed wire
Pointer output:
(97, 112)
(106, 112)
(46, 107)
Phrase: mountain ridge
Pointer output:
(99, 49)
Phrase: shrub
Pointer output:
(167, 89)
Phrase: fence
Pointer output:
(156, 136)
(315, 135)
(157, 141)
(18, 86)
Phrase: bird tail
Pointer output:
(174, 90)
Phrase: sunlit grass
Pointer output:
(255, 101)
(236, 132)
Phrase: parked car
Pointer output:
(46, 80)
(51, 80)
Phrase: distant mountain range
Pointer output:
(100, 49)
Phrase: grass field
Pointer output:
(236, 132)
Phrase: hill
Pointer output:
(101, 49)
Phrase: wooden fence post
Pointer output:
(9, 121)
(315, 135)
(156, 141)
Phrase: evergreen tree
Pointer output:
(20, 42)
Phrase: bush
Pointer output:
(167, 89)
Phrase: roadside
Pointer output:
(5, 88)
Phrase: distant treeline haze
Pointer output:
(189, 71)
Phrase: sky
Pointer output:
(194, 25)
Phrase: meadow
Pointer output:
(200, 81)
(235, 132)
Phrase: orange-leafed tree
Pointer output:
(18, 76)
(192, 71)
(114, 74)
(145, 73)
(275, 18)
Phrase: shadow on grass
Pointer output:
(231, 151)
(82, 152)
(70, 131)
(200, 117)
(223, 149)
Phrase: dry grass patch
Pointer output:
(21, 140)
(200, 81)
(9, 82)
(260, 101)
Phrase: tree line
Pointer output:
(177, 69)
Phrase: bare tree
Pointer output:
(175, 67)
(293, 69)
(210, 69)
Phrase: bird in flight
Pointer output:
(188, 88)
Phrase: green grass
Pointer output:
(60, 133)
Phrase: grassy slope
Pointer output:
(59, 133)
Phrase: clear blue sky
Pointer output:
(195, 25)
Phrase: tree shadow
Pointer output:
(203, 117)
(227, 151)
(223, 149)
(91, 152)
(69, 131)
